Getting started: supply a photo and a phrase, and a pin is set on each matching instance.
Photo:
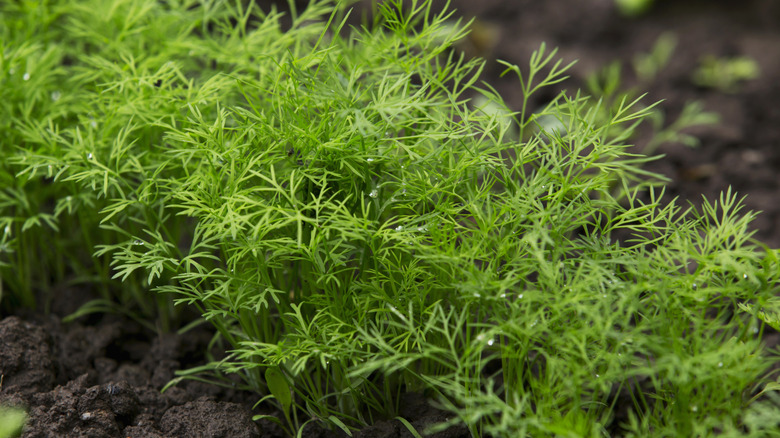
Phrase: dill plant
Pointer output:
(11, 421)
(354, 226)
(77, 146)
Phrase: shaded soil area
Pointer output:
(102, 377)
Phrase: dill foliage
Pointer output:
(358, 216)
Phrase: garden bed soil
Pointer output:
(101, 376)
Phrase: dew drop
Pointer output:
(720, 364)
(520, 296)
(138, 242)
(68, 198)
(490, 342)
(93, 124)
(694, 408)
(89, 156)
(373, 193)
(503, 295)
(399, 228)
(7, 229)
(695, 286)
(422, 229)
(477, 295)
(55, 96)
(370, 160)
(744, 275)
(26, 76)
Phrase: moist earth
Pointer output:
(101, 376)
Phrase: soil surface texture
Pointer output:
(102, 376)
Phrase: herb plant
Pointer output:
(725, 74)
(633, 8)
(607, 85)
(334, 203)
(11, 422)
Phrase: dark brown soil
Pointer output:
(102, 377)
